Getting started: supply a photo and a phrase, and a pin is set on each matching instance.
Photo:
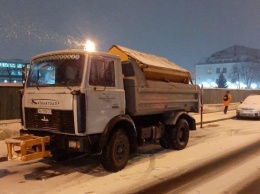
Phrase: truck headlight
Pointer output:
(75, 144)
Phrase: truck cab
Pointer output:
(72, 93)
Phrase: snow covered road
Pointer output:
(229, 173)
(207, 145)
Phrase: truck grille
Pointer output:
(59, 120)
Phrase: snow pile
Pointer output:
(9, 130)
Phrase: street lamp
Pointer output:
(89, 46)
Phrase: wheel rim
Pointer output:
(120, 152)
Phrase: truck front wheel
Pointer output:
(179, 135)
(116, 153)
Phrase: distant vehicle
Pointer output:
(249, 108)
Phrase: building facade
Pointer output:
(11, 71)
(239, 65)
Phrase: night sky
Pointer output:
(184, 31)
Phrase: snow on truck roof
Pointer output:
(156, 68)
(144, 58)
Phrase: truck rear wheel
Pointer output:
(179, 135)
(116, 153)
(164, 140)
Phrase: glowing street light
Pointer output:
(89, 46)
(253, 86)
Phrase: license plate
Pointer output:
(44, 111)
(247, 112)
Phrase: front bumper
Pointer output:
(63, 141)
(248, 113)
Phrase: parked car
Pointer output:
(249, 108)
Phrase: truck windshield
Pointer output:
(56, 70)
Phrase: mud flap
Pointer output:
(28, 147)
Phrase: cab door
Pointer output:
(105, 94)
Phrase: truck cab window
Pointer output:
(43, 74)
(102, 73)
(57, 70)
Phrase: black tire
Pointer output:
(116, 153)
(179, 136)
(164, 140)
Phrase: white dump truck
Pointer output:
(103, 103)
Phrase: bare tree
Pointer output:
(245, 73)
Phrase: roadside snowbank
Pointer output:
(8, 130)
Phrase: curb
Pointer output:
(216, 120)
(10, 121)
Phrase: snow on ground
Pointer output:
(206, 144)
(10, 129)
(158, 167)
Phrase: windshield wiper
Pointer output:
(68, 87)
(36, 83)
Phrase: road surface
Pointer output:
(220, 157)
